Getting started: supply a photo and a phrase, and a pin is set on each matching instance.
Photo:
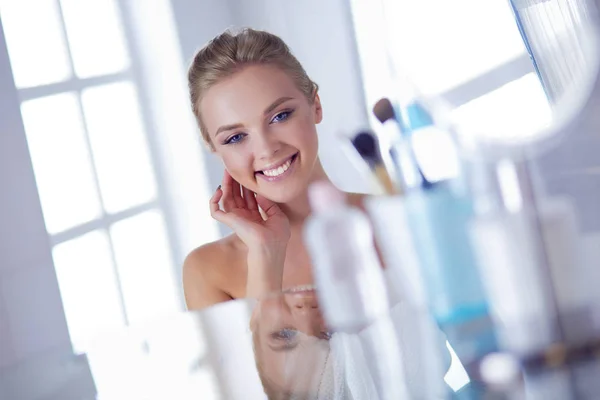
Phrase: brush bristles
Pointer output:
(367, 146)
(384, 110)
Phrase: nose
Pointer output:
(266, 146)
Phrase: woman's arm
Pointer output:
(265, 271)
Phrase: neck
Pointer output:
(298, 209)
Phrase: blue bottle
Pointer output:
(439, 217)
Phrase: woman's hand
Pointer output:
(240, 213)
(266, 238)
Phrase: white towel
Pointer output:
(423, 352)
(346, 375)
(358, 363)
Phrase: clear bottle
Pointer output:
(346, 268)
(351, 287)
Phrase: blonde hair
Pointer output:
(229, 52)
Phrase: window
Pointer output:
(93, 163)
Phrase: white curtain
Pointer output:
(553, 31)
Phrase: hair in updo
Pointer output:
(229, 52)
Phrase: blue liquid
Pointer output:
(439, 220)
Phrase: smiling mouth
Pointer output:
(277, 172)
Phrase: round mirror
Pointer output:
(510, 72)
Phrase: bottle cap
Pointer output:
(418, 117)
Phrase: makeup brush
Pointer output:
(367, 145)
(384, 111)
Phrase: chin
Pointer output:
(284, 194)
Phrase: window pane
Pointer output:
(119, 146)
(88, 287)
(61, 161)
(516, 111)
(95, 37)
(445, 43)
(145, 266)
(36, 46)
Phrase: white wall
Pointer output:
(31, 315)
(196, 22)
(160, 70)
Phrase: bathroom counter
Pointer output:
(280, 345)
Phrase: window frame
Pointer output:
(161, 203)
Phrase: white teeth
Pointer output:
(278, 171)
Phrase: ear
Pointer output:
(318, 109)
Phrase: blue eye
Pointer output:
(238, 137)
(282, 116)
(285, 334)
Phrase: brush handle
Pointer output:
(383, 177)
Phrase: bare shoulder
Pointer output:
(205, 272)
(209, 256)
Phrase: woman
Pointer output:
(257, 110)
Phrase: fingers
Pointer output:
(232, 196)
(230, 219)
(218, 214)
(227, 200)
(237, 194)
(214, 201)
(250, 199)
(269, 207)
(215, 209)
(227, 186)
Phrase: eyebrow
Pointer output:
(268, 110)
(228, 128)
(277, 103)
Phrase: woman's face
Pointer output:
(263, 128)
(294, 342)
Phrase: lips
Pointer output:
(279, 170)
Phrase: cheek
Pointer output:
(306, 135)
(237, 163)
(311, 141)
